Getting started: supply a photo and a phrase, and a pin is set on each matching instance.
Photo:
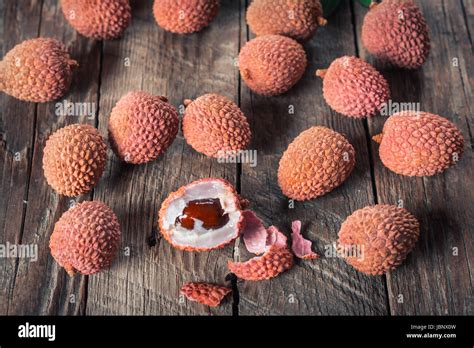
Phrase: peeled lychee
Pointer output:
(276, 259)
(396, 31)
(185, 16)
(207, 294)
(419, 143)
(215, 126)
(74, 159)
(353, 87)
(86, 238)
(142, 127)
(98, 19)
(316, 162)
(272, 64)
(297, 19)
(36, 70)
(376, 239)
(201, 216)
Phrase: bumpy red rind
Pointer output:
(205, 293)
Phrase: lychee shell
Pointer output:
(185, 16)
(98, 19)
(215, 126)
(179, 193)
(74, 159)
(272, 64)
(142, 127)
(420, 144)
(316, 162)
(354, 88)
(205, 293)
(296, 19)
(396, 31)
(36, 70)
(86, 238)
(384, 234)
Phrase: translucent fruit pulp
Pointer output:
(209, 211)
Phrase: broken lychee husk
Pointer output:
(205, 293)
(300, 246)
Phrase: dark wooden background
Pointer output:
(437, 277)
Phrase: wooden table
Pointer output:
(437, 277)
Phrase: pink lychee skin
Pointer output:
(354, 88)
(396, 31)
(180, 192)
(205, 293)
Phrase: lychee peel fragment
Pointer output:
(276, 259)
(205, 293)
(301, 247)
(254, 233)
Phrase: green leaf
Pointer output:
(366, 3)
(329, 6)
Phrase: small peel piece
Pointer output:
(254, 233)
(205, 293)
(276, 259)
(301, 247)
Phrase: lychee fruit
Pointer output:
(215, 126)
(296, 19)
(142, 127)
(74, 159)
(272, 64)
(86, 238)
(315, 163)
(353, 87)
(276, 259)
(419, 143)
(37, 70)
(377, 239)
(300, 246)
(396, 31)
(205, 293)
(185, 16)
(98, 19)
(201, 216)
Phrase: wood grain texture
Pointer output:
(327, 285)
(180, 67)
(437, 276)
(435, 279)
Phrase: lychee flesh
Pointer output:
(37, 70)
(277, 258)
(185, 16)
(272, 64)
(396, 31)
(215, 126)
(142, 127)
(315, 163)
(377, 239)
(74, 159)
(205, 293)
(86, 238)
(419, 144)
(297, 19)
(98, 19)
(353, 87)
(212, 228)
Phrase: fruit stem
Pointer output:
(73, 63)
(321, 73)
(246, 74)
(186, 102)
(373, 5)
(377, 138)
(70, 270)
(322, 21)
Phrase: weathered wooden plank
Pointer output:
(327, 285)
(16, 137)
(161, 63)
(42, 287)
(437, 276)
